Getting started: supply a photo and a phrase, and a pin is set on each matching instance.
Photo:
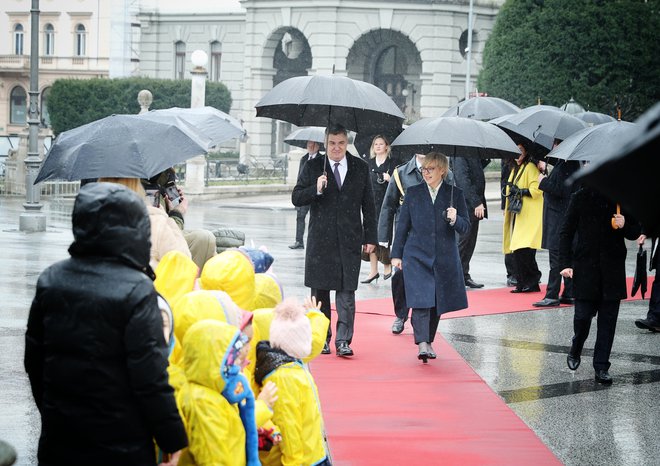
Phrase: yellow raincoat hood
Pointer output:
(267, 291)
(232, 272)
(175, 276)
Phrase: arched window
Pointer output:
(179, 59)
(45, 116)
(18, 106)
(18, 39)
(49, 40)
(81, 36)
(216, 56)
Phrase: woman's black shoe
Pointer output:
(371, 279)
(387, 276)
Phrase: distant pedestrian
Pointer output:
(381, 168)
(596, 263)
(95, 351)
(507, 167)
(302, 211)
(426, 250)
(342, 223)
(652, 321)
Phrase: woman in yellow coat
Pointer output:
(523, 230)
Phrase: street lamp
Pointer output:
(33, 219)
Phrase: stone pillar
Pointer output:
(196, 167)
(295, 154)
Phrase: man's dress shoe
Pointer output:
(397, 326)
(546, 302)
(526, 289)
(344, 350)
(297, 245)
(647, 324)
(472, 284)
(572, 361)
(604, 377)
(326, 349)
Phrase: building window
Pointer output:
(18, 39)
(216, 56)
(49, 40)
(45, 116)
(18, 106)
(179, 60)
(81, 36)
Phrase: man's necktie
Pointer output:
(336, 173)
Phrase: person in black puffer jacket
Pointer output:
(95, 351)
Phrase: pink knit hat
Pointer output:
(290, 330)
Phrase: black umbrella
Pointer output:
(591, 143)
(640, 280)
(538, 126)
(330, 99)
(121, 146)
(628, 172)
(594, 118)
(482, 108)
(300, 136)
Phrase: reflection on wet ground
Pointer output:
(522, 356)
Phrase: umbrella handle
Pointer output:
(618, 212)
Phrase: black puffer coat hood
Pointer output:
(110, 220)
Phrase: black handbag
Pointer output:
(515, 194)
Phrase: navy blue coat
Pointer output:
(428, 247)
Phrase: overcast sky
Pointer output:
(193, 6)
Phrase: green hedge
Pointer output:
(75, 102)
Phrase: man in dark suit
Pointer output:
(302, 211)
(408, 175)
(342, 222)
(652, 321)
(469, 176)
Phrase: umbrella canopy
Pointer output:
(628, 172)
(482, 108)
(210, 123)
(300, 136)
(591, 143)
(324, 99)
(594, 118)
(540, 125)
(122, 146)
(463, 137)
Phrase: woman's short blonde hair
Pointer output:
(372, 154)
(440, 159)
(134, 184)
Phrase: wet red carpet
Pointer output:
(384, 407)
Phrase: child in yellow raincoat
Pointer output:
(297, 410)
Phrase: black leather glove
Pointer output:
(514, 190)
(525, 192)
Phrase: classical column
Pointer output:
(196, 167)
(33, 219)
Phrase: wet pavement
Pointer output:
(522, 356)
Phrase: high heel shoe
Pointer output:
(387, 276)
(423, 354)
(371, 279)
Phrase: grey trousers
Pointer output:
(425, 324)
(345, 304)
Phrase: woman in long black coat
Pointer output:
(597, 266)
(426, 249)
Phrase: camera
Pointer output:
(165, 185)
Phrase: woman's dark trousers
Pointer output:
(425, 324)
(528, 273)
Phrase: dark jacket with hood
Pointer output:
(95, 351)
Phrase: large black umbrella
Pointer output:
(330, 99)
(628, 172)
(594, 118)
(482, 108)
(591, 143)
(463, 137)
(300, 136)
(539, 126)
(121, 146)
(210, 123)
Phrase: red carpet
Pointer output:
(484, 302)
(384, 407)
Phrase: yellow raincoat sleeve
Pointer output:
(291, 447)
(319, 323)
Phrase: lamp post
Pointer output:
(469, 52)
(196, 167)
(33, 219)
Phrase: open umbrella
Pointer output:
(210, 123)
(627, 173)
(122, 146)
(300, 136)
(324, 99)
(539, 126)
(591, 143)
(482, 108)
(594, 118)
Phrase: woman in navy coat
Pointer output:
(426, 250)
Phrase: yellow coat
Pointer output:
(527, 230)
(216, 435)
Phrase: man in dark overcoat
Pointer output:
(652, 321)
(302, 211)
(342, 222)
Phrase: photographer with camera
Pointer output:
(523, 222)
